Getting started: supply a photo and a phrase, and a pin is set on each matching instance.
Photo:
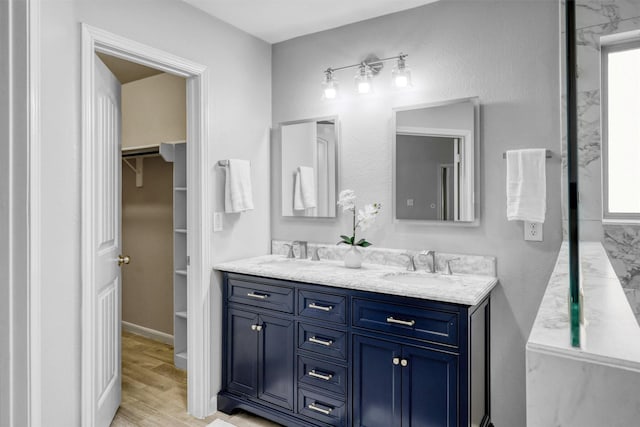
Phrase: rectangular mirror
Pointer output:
(435, 170)
(309, 167)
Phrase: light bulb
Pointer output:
(401, 74)
(364, 87)
(330, 92)
(329, 85)
(401, 81)
(363, 80)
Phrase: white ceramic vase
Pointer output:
(353, 258)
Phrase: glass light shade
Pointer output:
(330, 87)
(363, 80)
(401, 75)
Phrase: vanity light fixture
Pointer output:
(367, 69)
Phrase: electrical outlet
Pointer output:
(533, 231)
(217, 221)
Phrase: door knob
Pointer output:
(123, 259)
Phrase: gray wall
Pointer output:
(419, 159)
(238, 121)
(14, 170)
(504, 52)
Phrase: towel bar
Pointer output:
(549, 154)
(223, 163)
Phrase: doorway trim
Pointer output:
(198, 228)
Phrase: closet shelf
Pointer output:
(182, 314)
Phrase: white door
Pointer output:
(106, 238)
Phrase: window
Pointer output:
(621, 132)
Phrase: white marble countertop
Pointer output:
(460, 289)
(610, 335)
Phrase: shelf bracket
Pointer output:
(138, 170)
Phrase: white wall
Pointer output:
(14, 172)
(239, 120)
(504, 52)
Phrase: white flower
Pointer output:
(347, 200)
(367, 216)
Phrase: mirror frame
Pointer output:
(475, 101)
(336, 120)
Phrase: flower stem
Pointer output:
(354, 226)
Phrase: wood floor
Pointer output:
(154, 393)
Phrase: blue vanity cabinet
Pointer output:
(307, 355)
(399, 385)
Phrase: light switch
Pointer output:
(217, 221)
(410, 202)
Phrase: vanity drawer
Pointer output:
(322, 340)
(263, 295)
(318, 305)
(322, 408)
(321, 374)
(425, 324)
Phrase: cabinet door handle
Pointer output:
(320, 307)
(319, 341)
(259, 296)
(258, 328)
(396, 360)
(404, 362)
(390, 319)
(313, 407)
(313, 373)
(253, 327)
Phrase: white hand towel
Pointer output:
(304, 196)
(298, 205)
(526, 185)
(238, 196)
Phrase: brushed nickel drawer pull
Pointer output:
(390, 319)
(313, 407)
(313, 373)
(259, 296)
(321, 342)
(320, 307)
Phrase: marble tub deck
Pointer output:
(597, 384)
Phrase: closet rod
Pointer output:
(137, 152)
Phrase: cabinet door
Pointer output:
(429, 388)
(276, 366)
(376, 383)
(242, 352)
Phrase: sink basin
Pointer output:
(424, 279)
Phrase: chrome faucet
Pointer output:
(411, 265)
(447, 269)
(290, 253)
(303, 248)
(431, 268)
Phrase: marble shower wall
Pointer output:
(596, 18)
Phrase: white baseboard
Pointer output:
(147, 332)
